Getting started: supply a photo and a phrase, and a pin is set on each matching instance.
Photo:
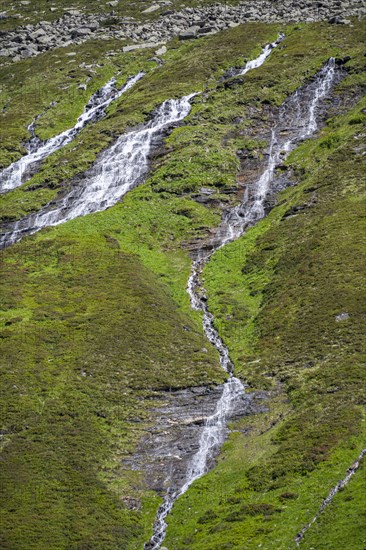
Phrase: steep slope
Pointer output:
(98, 314)
(287, 299)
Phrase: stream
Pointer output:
(20, 171)
(301, 125)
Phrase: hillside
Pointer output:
(173, 147)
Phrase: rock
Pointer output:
(161, 51)
(338, 20)
(342, 316)
(152, 8)
(133, 47)
(207, 29)
(27, 52)
(82, 87)
(72, 11)
(36, 34)
(76, 33)
(189, 33)
(113, 4)
(45, 40)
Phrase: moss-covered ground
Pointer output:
(96, 318)
(276, 294)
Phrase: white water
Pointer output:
(214, 431)
(304, 124)
(16, 174)
(267, 50)
(118, 169)
(339, 487)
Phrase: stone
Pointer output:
(189, 33)
(152, 8)
(28, 52)
(161, 51)
(36, 34)
(72, 11)
(45, 40)
(80, 33)
(133, 47)
(207, 29)
(342, 317)
(113, 4)
(82, 87)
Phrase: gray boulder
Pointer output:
(188, 34)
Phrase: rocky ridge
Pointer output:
(74, 27)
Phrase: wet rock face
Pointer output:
(254, 162)
(189, 23)
(165, 452)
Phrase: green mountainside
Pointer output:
(97, 324)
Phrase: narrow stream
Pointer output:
(300, 125)
(338, 487)
(20, 171)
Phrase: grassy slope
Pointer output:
(211, 56)
(275, 294)
(95, 333)
(76, 302)
(48, 295)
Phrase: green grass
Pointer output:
(97, 311)
(275, 294)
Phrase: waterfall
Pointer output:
(214, 431)
(118, 169)
(284, 137)
(255, 63)
(302, 125)
(20, 171)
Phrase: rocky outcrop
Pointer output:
(165, 451)
(75, 27)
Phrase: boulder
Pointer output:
(133, 47)
(81, 33)
(188, 34)
(28, 52)
(152, 8)
(161, 51)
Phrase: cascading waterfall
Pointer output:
(303, 125)
(255, 63)
(18, 172)
(214, 431)
(118, 169)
